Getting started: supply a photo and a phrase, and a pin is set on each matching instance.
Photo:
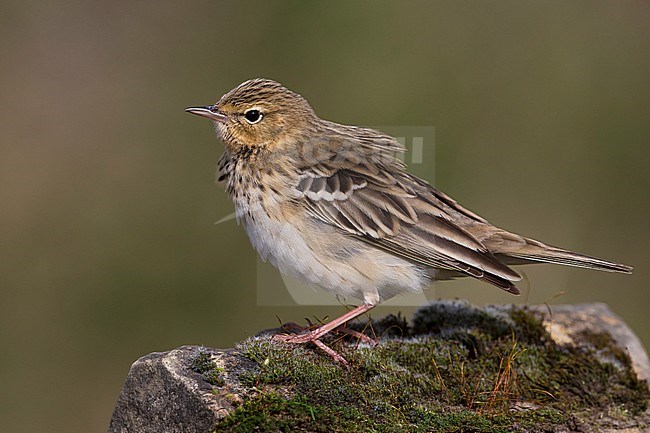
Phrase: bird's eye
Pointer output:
(253, 116)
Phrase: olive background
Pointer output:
(108, 244)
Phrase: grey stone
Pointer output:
(167, 392)
(163, 393)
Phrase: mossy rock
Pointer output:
(455, 368)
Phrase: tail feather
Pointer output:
(534, 252)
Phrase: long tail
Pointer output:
(535, 251)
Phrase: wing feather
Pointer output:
(402, 215)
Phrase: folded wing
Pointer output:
(400, 214)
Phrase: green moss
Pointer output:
(204, 365)
(466, 377)
(273, 413)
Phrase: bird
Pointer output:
(334, 205)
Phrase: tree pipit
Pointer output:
(333, 205)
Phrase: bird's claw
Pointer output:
(310, 337)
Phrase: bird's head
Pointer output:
(259, 113)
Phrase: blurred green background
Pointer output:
(109, 249)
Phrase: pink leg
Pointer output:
(294, 328)
(331, 352)
(315, 335)
(358, 335)
(326, 328)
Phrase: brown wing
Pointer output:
(400, 214)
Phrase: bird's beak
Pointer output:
(209, 111)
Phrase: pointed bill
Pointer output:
(209, 111)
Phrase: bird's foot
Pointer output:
(358, 335)
(314, 335)
(311, 337)
(300, 335)
(307, 337)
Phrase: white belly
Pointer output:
(322, 255)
